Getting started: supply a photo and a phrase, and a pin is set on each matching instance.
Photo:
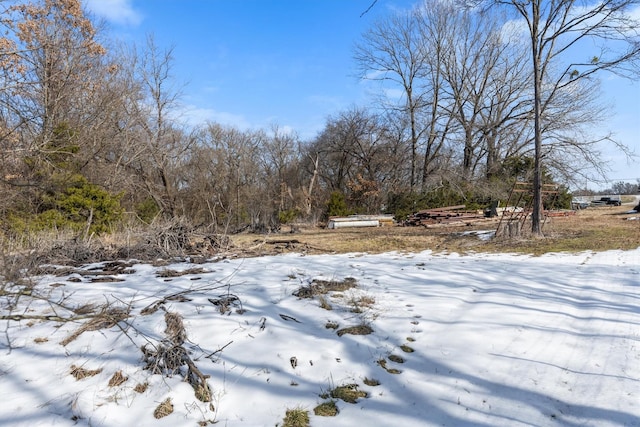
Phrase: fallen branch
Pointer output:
(53, 318)
(169, 356)
(209, 356)
(282, 242)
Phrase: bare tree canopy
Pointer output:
(466, 100)
(604, 35)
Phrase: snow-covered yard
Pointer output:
(473, 340)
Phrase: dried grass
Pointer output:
(106, 318)
(596, 229)
(348, 393)
(406, 348)
(326, 409)
(356, 330)
(169, 357)
(117, 379)
(396, 359)
(296, 418)
(331, 325)
(359, 304)
(322, 287)
(371, 382)
(163, 409)
(383, 365)
(175, 331)
(80, 373)
(141, 387)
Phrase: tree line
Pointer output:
(91, 134)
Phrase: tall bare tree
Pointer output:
(279, 158)
(162, 144)
(436, 21)
(391, 51)
(460, 79)
(602, 35)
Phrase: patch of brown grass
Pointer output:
(141, 387)
(348, 393)
(107, 317)
(383, 365)
(175, 328)
(202, 392)
(323, 287)
(371, 382)
(296, 418)
(326, 409)
(163, 409)
(358, 304)
(117, 379)
(395, 358)
(596, 229)
(406, 348)
(355, 330)
(331, 325)
(80, 373)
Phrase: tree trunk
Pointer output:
(536, 215)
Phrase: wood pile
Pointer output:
(447, 215)
(559, 213)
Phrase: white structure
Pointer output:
(359, 221)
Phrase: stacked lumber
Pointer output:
(444, 215)
(559, 213)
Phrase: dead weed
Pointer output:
(80, 373)
(141, 387)
(107, 317)
(348, 393)
(117, 379)
(356, 330)
(322, 287)
(163, 409)
(326, 409)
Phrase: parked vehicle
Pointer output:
(579, 204)
(611, 201)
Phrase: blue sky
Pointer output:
(254, 63)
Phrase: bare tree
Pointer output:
(279, 159)
(555, 30)
(437, 21)
(461, 84)
(357, 155)
(391, 52)
(161, 144)
(225, 179)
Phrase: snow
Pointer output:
(498, 340)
